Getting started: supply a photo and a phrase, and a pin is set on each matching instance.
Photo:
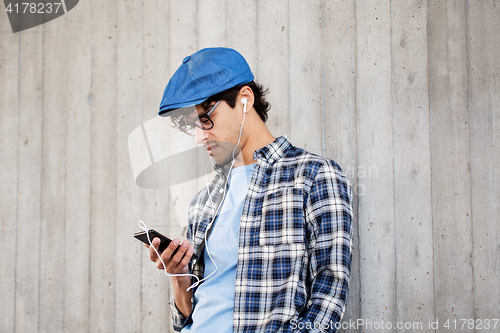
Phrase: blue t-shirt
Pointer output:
(215, 296)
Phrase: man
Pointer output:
(276, 219)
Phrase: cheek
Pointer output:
(238, 128)
(228, 132)
(234, 132)
(228, 127)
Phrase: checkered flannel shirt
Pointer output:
(295, 243)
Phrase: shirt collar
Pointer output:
(222, 169)
(270, 153)
(273, 151)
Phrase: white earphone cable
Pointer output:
(143, 226)
(224, 194)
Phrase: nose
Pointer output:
(200, 135)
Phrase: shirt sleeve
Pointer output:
(329, 221)
(178, 319)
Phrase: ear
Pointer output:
(246, 92)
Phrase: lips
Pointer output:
(210, 148)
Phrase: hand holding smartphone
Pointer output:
(164, 241)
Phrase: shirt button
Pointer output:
(186, 59)
(221, 190)
(271, 161)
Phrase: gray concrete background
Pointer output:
(404, 95)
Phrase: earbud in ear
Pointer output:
(244, 101)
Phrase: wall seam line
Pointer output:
(65, 178)
(357, 151)
(322, 81)
(91, 163)
(289, 70)
(41, 180)
(142, 124)
(17, 181)
(429, 94)
(467, 39)
(393, 166)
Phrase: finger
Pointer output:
(152, 253)
(168, 252)
(177, 257)
(187, 257)
(159, 264)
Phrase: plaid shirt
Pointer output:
(295, 243)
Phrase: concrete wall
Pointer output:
(405, 95)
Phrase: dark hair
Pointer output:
(229, 96)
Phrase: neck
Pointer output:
(258, 136)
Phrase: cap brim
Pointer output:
(166, 111)
(187, 110)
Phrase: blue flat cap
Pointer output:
(202, 75)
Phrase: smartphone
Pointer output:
(164, 240)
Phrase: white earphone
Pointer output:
(244, 101)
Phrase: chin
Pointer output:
(222, 160)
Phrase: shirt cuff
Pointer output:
(178, 319)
